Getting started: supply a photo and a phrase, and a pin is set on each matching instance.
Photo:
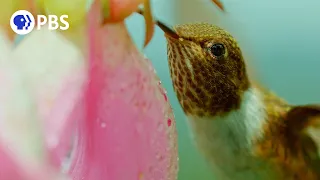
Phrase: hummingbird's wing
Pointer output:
(303, 134)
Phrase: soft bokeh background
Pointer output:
(281, 39)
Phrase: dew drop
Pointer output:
(169, 121)
(165, 97)
(103, 124)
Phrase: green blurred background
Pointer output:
(280, 38)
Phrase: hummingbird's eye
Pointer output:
(217, 49)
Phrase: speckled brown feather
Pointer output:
(207, 86)
(204, 94)
(285, 145)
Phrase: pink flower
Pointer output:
(40, 85)
(98, 97)
(127, 111)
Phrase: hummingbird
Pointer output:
(243, 130)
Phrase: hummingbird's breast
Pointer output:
(228, 141)
(252, 142)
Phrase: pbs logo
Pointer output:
(22, 22)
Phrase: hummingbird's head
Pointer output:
(207, 68)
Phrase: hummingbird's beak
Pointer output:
(166, 29)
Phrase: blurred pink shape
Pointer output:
(54, 70)
(116, 119)
(125, 133)
(25, 71)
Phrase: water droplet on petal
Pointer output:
(103, 124)
(169, 121)
(165, 97)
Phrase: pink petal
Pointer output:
(18, 116)
(124, 134)
(54, 70)
(22, 151)
(9, 168)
